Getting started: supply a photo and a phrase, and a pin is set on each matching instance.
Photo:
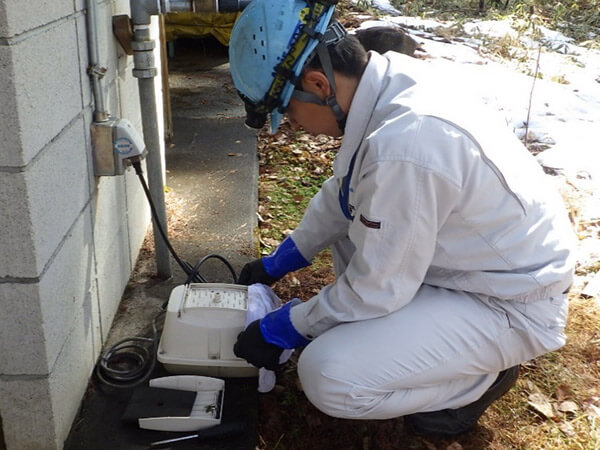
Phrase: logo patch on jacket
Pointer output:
(370, 223)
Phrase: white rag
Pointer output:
(261, 301)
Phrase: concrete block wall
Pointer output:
(68, 240)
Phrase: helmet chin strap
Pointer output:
(333, 34)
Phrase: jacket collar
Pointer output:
(385, 79)
(361, 109)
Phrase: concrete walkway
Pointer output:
(212, 179)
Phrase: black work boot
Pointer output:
(451, 422)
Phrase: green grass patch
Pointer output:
(293, 166)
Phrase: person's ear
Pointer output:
(316, 82)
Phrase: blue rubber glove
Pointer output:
(286, 258)
(277, 328)
(263, 341)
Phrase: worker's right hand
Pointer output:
(254, 272)
(286, 258)
(252, 346)
(263, 341)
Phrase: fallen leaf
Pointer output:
(531, 364)
(562, 393)
(272, 242)
(593, 413)
(568, 406)
(592, 288)
(454, 446)
(234, 154)
(541, 404)
(429, 445)
(531, 387)
(269, 242)
(567, 428)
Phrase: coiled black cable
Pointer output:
(131, 361)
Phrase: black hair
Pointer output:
(348, 57)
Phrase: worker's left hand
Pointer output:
(251, 346)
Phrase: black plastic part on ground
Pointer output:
(100, 424)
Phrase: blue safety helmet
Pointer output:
(270, 44)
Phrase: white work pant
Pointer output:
(442, 350)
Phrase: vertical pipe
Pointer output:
(145, 72)
(155, 172)
(100, 113)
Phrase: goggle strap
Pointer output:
(326, 65)
(335, 32)
(331, 101)
(307, 97)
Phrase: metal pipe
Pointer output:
(144, 70)
(209, 6)
(96, 73)
(168, 6)
(143, 10)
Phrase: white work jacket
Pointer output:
(439, 193)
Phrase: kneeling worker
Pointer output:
(452, 252)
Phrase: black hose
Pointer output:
(131, 361)
(191, 271)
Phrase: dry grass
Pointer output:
(566, 382)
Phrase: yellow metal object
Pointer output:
(189, 24)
